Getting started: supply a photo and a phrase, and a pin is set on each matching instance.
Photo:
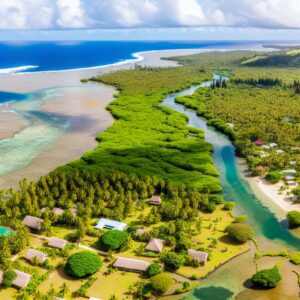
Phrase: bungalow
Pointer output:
(140, 231)
(273, 145)
(291, 183)
(155, 245)
(55, 242)
(57, 298)
(32, 254)
(258, 143)
(33, 222)
(58, 211)
(263, 155)
(287, 178)
(131, 264)
(266, 147)
(293, 163)
(289, 172)
(279, 151)
(93, 298)
(200, 256)
(22, 279)
(155, 200)
(110, 224)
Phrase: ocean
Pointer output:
(56, 56)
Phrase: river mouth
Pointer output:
(230, 280)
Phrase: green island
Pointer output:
(142, 216)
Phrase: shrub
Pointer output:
(273, 177)
(240, 232)
(229, 205)
(83, 264)
(241, 219)
(161, 282)
(72, 237)
(293, 218)
(209, 207)
(153, 270)
(295, 258)
(8, 278)
(173, 261)
(267, 278)
(113, 240)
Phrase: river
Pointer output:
(231, 280)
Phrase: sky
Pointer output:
(149, 19)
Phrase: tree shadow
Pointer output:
(213, 293)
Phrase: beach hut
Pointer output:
(263, 155)
(200, 256)
(110, 224)
(33, 222)
(32, 253)
(55, 242)
(155, 200)
(131, 264)
(266, 147)
(155, 245)
(279, 151)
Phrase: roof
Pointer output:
(93, 298)
(155, 245)
(58, 211)
(198, 255)
(110, 224)
(33, 222)
(155, 200)
(57, 243)
(131, 264)
(140, 231)
(259, 143)
(57, 298)
(22, 279)
(291, 171)
(32, 253)
(273, 145)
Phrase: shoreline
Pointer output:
(267, 192)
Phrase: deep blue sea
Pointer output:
(54, 56)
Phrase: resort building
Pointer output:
(200, 256)
(293, 163)
(155, 245)
(110, 224)
(279, 151)
(33, 222)
(57, 298)
(31, 254)
(155, 200)
(266, 147)
(273, 145)
(93, 298)
(130, 264)
(140, 231)
(55, 242)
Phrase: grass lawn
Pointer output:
(222, 250)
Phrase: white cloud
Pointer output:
(62, 14)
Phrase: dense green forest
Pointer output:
(148, 139)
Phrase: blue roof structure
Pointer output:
(110, 224)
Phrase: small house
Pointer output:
(279, 151)
(291, 183)
(200, 256)
(58, 243)
(93, 298)
(266, 147)
(155, 200)
(22, 279)
(57, 298)
(110, 224)
(31, 254)
(33, 222)
(293, 163)
(287, 178)
(131, 264)
(263, 155)
(258, 143)
(140, 231)
(155, 245)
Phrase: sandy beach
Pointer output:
(83, 104)
(268, 193)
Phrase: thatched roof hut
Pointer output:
(33, 222)
(32, 253)
(155, 245)
(131, 264)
